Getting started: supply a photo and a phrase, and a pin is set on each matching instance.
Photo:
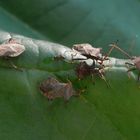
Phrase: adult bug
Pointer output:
(52, 88)
(88, 51)
(11, 48)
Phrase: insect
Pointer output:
(88, 51)
(11, 48)
(82, 69)
(135, 65)
(52, 88)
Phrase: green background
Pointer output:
(101, 113)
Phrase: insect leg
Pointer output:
(14, 66)
(92, 78)
(11, 63)
(103, 77)
(118, 48)
(109, 52)
(105, 57)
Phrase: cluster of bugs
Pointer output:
(95, 54)
(83, 69)
(52, 88)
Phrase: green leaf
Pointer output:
(101, 112)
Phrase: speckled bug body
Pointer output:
(84, 70)
(88, 51)
(11, 48)
(52, 88)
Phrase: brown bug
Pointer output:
(11, 48)
(52, 89)
(88, 51)
(83, 70)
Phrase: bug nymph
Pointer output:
(52, 88)
(83, 70)
(11, 48)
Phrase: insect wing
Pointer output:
(95, 52)
(18, 48)
(52, 89)
(11, 50)
(87, 49)
(82, 48)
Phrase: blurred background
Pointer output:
(68, 22)
(101, 113)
